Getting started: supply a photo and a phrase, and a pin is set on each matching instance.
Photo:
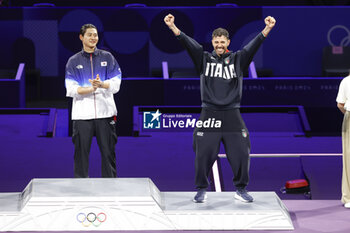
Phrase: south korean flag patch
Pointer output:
(103, 63)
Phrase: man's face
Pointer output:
(90, 38)
(220, 44)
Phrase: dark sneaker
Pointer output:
(201, 196)
(242, 195)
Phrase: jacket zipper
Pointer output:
(92, 77)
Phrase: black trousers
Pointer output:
(235, 138)
(83, 131)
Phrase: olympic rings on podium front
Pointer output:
(91, 219)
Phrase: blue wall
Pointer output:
(140, 40)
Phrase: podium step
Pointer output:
(10, 202)
(132, 204)
(222, 212)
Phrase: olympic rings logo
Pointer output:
(345, 41)
(91, 219)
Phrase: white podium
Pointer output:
(133, 204)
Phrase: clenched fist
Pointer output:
(169, 20)
(270, 21)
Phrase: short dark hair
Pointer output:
(220, 32)
(85, 27)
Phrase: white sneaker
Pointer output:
(347, 205)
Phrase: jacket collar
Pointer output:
(228, 53)
(86, 54)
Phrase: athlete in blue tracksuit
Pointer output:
(221, 79)
(92, 78)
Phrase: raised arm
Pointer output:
(194, 49)
(170, 22)
(252, 47)
(269, 24)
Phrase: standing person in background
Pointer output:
(92, 78)
(343, 103)
(221, 78)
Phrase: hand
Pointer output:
(270, 22)
(96, 83)
(92, 84)
(169, 20)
